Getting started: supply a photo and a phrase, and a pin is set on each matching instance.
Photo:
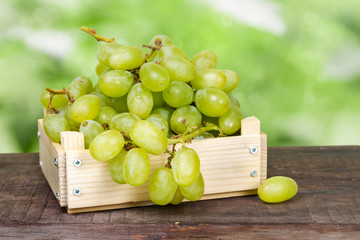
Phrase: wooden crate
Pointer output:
(231, 166)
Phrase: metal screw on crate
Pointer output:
(77, 163)
(57, 195)
(253, 150)
(38, 134)
(40, 163)
(56, 161)
(77, 191)
(253, 173)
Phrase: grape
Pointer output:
(179, 69)
(100, 68)
(171, 51)
(185, 166)
(77, 89)
(165, 112)
(212, 102)
(116, 83)
(162, 39)
(74, 126)
(205, 59)
(104, 52)
(162, 186)
(116, 167)
(232, 80)
(185, 117)
(90, 129)
(149, 137)
(277, 189)
(178, 197)
(120, 104)
(85, 107)
(106, 145)
(105, 115)
(233, 100)
(86, 81)
(123, 122)
(105, 100)
(208, 78)
(204, 135)
(159, 121)
(140, 101)
(158, 99)
(136, 167)
(54, 124)
(178, 94)
(154, 77)
(58, 101)
(230, 122)
(194, 191)
(126, 58)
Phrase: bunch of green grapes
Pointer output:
(145, 99)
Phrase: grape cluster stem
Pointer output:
(93, 33)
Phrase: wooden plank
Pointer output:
(226, 167)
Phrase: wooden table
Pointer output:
(327, 205)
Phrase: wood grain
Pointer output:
(327, 205)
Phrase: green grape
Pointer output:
(232, 80)
(123, 122)
(171, 51)
(160, 39)
(208, 78)
(178, 94)
(277, 189)
(149, 137)
(185, 166)
(185, 117)
(204, 135)
(100, 68)
(140, 101)
(154, 77)
(106, 145)
(105, 115)
(116, 167)
(179, 69)
(74, 126)
(162, 186)
(165, 112)
(104, 52)
(86, 81)
(178, 197)
(90, 129)
(77, 89)
(212, 120)
(54, 124)
(105, 100)
(136, 167)
(204, 59)
(194, 191)
(158, 99)
(120, 104)
(116, 83)
(126, 58)
(233, 100)
(85, 107)
(230, 122)
(159, 121)
(58, 101)
(212, 102)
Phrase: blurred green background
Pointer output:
(298, 61)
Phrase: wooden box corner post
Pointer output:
(231, 166)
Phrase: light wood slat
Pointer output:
(263, 157)
(250, 126)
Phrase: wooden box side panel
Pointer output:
(226, 164)
(55, 175)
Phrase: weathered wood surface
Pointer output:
(326, 207)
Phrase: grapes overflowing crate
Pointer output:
(231, 166)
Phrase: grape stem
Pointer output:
(189, 136)
(63, 91)
(153, 50)
(93, 33)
